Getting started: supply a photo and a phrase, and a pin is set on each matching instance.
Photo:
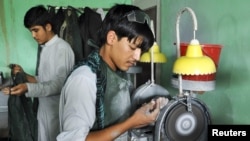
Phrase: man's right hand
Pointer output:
(148, 113)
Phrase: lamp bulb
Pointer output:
(194, 42)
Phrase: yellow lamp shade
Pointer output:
(158, 57)
(194, 63)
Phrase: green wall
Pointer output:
(219, 22)
(16, 43)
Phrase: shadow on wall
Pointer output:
(225, 111)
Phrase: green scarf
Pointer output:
(97, 65)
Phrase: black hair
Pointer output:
(116, 20)
(37, 15)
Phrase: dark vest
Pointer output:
(23, 125)
(113, 95)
